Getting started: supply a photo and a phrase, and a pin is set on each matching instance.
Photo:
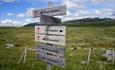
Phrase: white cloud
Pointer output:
(6, 21)
(98, 12)
(9, 22)
(18, 23)
(8, 1)
(69, 13)
(29, 12)
(44, 1)
(72, 4)
(10, 14)
(32, 20)
(103, 13)
(28, 20)
(102, 1)
(20, 15)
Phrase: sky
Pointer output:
(19, 12)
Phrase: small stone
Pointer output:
(83, 62)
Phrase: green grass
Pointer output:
(94, 36)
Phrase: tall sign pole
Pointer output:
(50, 34)
(50, 4)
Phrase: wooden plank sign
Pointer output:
(55, 30)
(55, 51)
(58, 40)
(49, 20)
(54, 11)
(51, 59)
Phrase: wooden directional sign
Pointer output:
(61, 10)
(54, 51)
(54, 30)
(49, 20)
(59, 40)
(51, 59)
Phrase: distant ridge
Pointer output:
(85, 22)
(91, 19)
(91, 22)
(31, 24)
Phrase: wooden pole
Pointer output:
(89, 55)
(21, 57)
(25, 53)
(50, 5)
(49, 66)
(113, 56)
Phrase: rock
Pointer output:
(108, 55)
(83, 62)
(9, 45)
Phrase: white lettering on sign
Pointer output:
(61, 10)
(56, 30)
(58, 40)
(56, 51)
(51, 59)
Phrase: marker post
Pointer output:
(113, 56)
(49, 66)
(89, 56)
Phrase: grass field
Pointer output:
(98, 37)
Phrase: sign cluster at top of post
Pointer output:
(55, 11)
(47, 32)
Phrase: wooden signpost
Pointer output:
(52, 55)
(52, 30)
(54, 11)
(58, 40)
(48, 34)
(49, 20)
(54, 51)
(51, 59)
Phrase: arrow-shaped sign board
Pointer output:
(55, 30)
(61, 10)
(51, 59)
(58, 40)
(55, 51)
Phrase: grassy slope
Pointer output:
(89, 23)
(97, 37)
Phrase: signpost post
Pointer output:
(51, 35)
(58, 40)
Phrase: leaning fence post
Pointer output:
(21, 56)
(113, 56)
(89, 55)
(25, 53)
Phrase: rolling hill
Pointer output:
(85, 22)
